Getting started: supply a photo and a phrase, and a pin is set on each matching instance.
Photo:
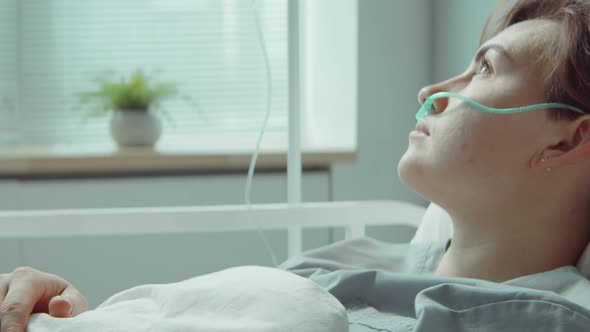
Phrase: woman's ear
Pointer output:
(573, 148)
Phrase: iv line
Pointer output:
(248, 190)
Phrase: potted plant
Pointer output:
(134, 104)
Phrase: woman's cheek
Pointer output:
(459, 147)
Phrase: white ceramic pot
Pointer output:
(135, 128)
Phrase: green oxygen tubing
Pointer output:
(428, 104)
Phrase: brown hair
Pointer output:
(567, 76)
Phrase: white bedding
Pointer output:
(238, 299)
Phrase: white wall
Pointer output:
(455, 37)
(393, 65)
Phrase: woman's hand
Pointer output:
(26, 291)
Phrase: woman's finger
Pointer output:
(60, 307)
(27, 291)
(4, 280)
(78, 301)
(17, 307)
(69, 304)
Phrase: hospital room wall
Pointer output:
(393, 63)
(455, 36)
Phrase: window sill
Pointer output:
(39, 163)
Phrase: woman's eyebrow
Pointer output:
(498, 48)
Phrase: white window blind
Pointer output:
(53, 49)
(8, 69)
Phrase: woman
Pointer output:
(517, 185)
(527, 219)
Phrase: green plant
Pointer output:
(137, 94)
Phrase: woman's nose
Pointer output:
(439, 104)
(454, 84)
(424, 93)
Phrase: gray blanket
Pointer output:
(388, 287)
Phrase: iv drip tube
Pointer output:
(294, 166)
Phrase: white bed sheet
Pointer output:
(238, 299)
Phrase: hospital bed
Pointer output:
(432, 223)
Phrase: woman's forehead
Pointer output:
(526, 40)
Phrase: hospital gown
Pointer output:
(392, 287)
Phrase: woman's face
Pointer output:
(466, 149)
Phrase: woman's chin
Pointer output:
(413, 173)
(410, 172)
(429, 182)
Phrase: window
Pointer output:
(209, 49)
(53, 50)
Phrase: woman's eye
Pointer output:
(484, 68)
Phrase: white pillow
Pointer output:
(437, 226)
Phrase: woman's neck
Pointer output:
(503, 247)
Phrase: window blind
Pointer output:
(208, 48)
(8, 70)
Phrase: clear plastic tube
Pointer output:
(254, 158)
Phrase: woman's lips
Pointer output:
(421, 127)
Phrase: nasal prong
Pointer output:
(424, 109)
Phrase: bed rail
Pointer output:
(169, 220)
